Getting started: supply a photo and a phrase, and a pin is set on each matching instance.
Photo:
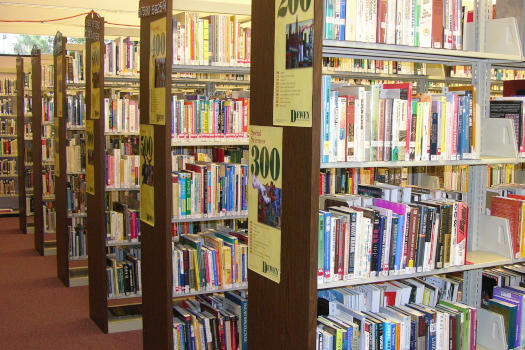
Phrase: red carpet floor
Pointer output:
(37, 311)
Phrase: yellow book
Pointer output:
(443, 126)
(522, 222)
(227, 266)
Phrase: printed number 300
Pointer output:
(293, 5)
(265, 163)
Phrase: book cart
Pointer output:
(156, 132)
(294, 300)
(111, 312)
(9, 198)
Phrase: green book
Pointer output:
(509, 312)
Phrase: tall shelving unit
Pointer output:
(110, 313)
(294, 300)
(25, 149)
(72, 268)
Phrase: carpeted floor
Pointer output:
(37, 311)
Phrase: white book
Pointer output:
(391, 22)
(425, 23)
(372, 21)
(341, 130)
(351, 20)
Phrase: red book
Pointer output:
(412, 236)
(437, 24)
(509, 208)
(382, 6)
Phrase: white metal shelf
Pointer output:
(208, 218)
(209, 142)
(121, 243)
(180, 68)
(121, 189)
(242, 286)
(416, 163)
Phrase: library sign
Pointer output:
(147, 166)
(157, 72)
(265, 201)
(293, 63)
(90, 150)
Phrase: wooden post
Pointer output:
(283, 316)
(20, 118)
(156, 238)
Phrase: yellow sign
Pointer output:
(265, 201)
(293, 63)
(56, 146)
(147, 168)
(60, 86)
(158, 73)
(95, 80)
(90, 157)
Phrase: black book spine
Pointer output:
(351, 257)
(393, 244)
(421, 235)
(375, 242)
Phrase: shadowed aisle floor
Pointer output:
(37, 311)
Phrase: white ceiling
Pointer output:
(116, 11)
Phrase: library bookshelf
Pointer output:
(112, 312)
(72, 257)
(297, 325)
(9, 202)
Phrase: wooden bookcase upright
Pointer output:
(116, 314)
(20, 163)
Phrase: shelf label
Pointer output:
(158, 72)
(265, 201)
(95, 80)
(60, 86)
(56, 146)
(147, 166)
(293, 63)
(90, 157)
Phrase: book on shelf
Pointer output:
(211, 322)
(48, 109)
(8, 147)
(122, 217)
(386, 231)
(75, 154)
(219, 40)
(365, 65)
(48, 74)
(28, 104)
(8, 187)
(203, 189)
(209, 261)
(121, 115)
(8, 167)
(499, 174)
(437, 24)
(48, 149)
(28, 178)
(50, 217)
(509, 312)
(122, 163)
(75, 67)
(7, 86)
(124, 273)
(7, 106)
(412, 313)
(76, 194)
(77, 238)
(48, 182)
(7, 127)
(386, 122)
(76, 110)
(197, 117)
(122, 56)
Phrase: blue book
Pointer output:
(399, 241)
(327, 242)
(325, 112)
(243, 302)
(508, 311)
(342, 16)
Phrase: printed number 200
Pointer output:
(293, 6)
(265, 163)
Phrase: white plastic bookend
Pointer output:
(494, 236)
(498, 138)
(502, 37)
(491, 330)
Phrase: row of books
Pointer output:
(50, 217)
(76, 110)
(217, 259)
(365, 65)
(183, 228)
(48, 182)
(361, 236)
(122, 224)
(212, 40)
(7, 127)
(28, 178)
(76, 154)
(77, 238)
(124, 273)
(180, 156)
(7, 86)
(122, 56)
(508, 201)
(48, 149)
(8, 167)
(48, 75)
(213, 321)
(7, 187)
(209, 189)
(122, 170)
(386, 123)
(28, 104)
(28, 131)
(75, 67)
(8, 147)
(394, 315)
(7, 106)
(222, 77)
(76, 194)
(121, 115)
(30, 205)
(200, 117)
(338, 180)
(48, 131)
(28, 154)
(437, 24)
(499, 174)
(48, 109)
